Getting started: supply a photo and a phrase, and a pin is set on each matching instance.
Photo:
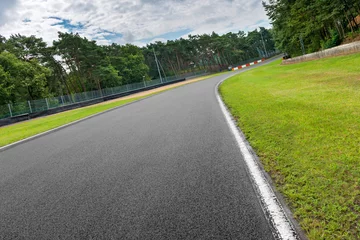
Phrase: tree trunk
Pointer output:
(338, 29)
(172, 67)
(178, 62)
(352, 30)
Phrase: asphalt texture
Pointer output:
(166, 167)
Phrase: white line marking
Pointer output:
(270, 203)
(48, 131)
(3, 148)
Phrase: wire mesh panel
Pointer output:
(19, 108)
(68, 99)
(153, 82)
(5, 111)
(136, 86)
(108, 91)
(78, 97)
(54, 102)
(170, 79)
(120, 89)
(38, 105)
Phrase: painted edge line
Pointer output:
(11, 145)
(270, 203)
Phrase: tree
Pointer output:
(29, 69)
(6, 86)
(129, 62)
(212, 52)
(20, 80)
(2, 43)
(26, 48)
(318, 24)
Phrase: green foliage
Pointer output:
(30, 69)
(25, 48)
(6, 86)
(13, 133)
(211, 52)
(2, 43)
(108, 75)
(321, 24)
(21, 80)
(303, 122)
(129, 61)
(333, 41)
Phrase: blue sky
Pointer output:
(66, 23)
(129, 21)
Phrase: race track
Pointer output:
(166, 167)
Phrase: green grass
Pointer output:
(303, 121)
(19, 131)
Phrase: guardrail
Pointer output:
(22, 110)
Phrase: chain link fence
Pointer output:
(34, 106)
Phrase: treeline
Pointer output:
(211, 52)
(30, 69)
(304, 26)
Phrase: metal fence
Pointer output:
(33, 106)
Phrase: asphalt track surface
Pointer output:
(166, 167)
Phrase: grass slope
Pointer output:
(303, 121)
(19, 131)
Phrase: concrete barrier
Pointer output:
(332, 52)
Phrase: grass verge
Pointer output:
(19, 131)
(303, 120)
(12, 133)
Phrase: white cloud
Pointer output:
(134, 20)
(6, 6)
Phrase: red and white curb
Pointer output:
(284, 230)
(248, 64)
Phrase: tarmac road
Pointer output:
(166, 167)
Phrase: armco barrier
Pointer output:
(332, 52)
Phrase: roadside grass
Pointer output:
(16, 132)
(22, 130)
(303, 120)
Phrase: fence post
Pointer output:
(30, 107)
(47, 103)
(10, 110)
(62, 99)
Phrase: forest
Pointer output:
(306, 26)
(30, 69)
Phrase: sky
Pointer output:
(129, 21)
